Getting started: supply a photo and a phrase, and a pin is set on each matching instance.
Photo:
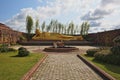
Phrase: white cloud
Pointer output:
(17, 22)
(109, 2)
(107, 15)
(90, 16)
(93, 11)
(106, 8)
(95, 24)
(99, 29)
(51, 9)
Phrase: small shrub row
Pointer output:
(91, 52)
(111, 56)
(5, 48)
(107, 55)
(23, 52)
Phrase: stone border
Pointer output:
(99, 71)
(64, 49)
(28, 75)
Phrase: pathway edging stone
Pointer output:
(28, 75)
(102, 73)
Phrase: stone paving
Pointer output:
(64, 67)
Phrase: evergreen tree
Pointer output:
(84, 28)
(62, 29)
(29, 26)
(48, 28)
(43, 26)
(37, 24)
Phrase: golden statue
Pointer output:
(53, 36)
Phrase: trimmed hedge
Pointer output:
(91, 52)
(108, 57)
(23, 52)
(5, 48)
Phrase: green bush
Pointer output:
(101, 54)
(11, 49)
(108, 57)
(4, 45)
(5, 48)
(22, 48)
(23, 52)
(116, 50)
(91, 52)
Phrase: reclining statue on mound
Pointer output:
(53, 36)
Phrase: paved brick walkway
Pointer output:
(64, 67)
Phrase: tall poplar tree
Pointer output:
(29, 26)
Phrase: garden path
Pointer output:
(64, 67)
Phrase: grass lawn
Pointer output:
(13, 68)
(113, 70)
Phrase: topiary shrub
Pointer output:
(22, 48)
(23, 52)
(91, 52)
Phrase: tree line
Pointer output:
(56, 27)
(70, 29)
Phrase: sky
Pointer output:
(103, 15)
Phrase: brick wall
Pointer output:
(7, 35)
(105, 38)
